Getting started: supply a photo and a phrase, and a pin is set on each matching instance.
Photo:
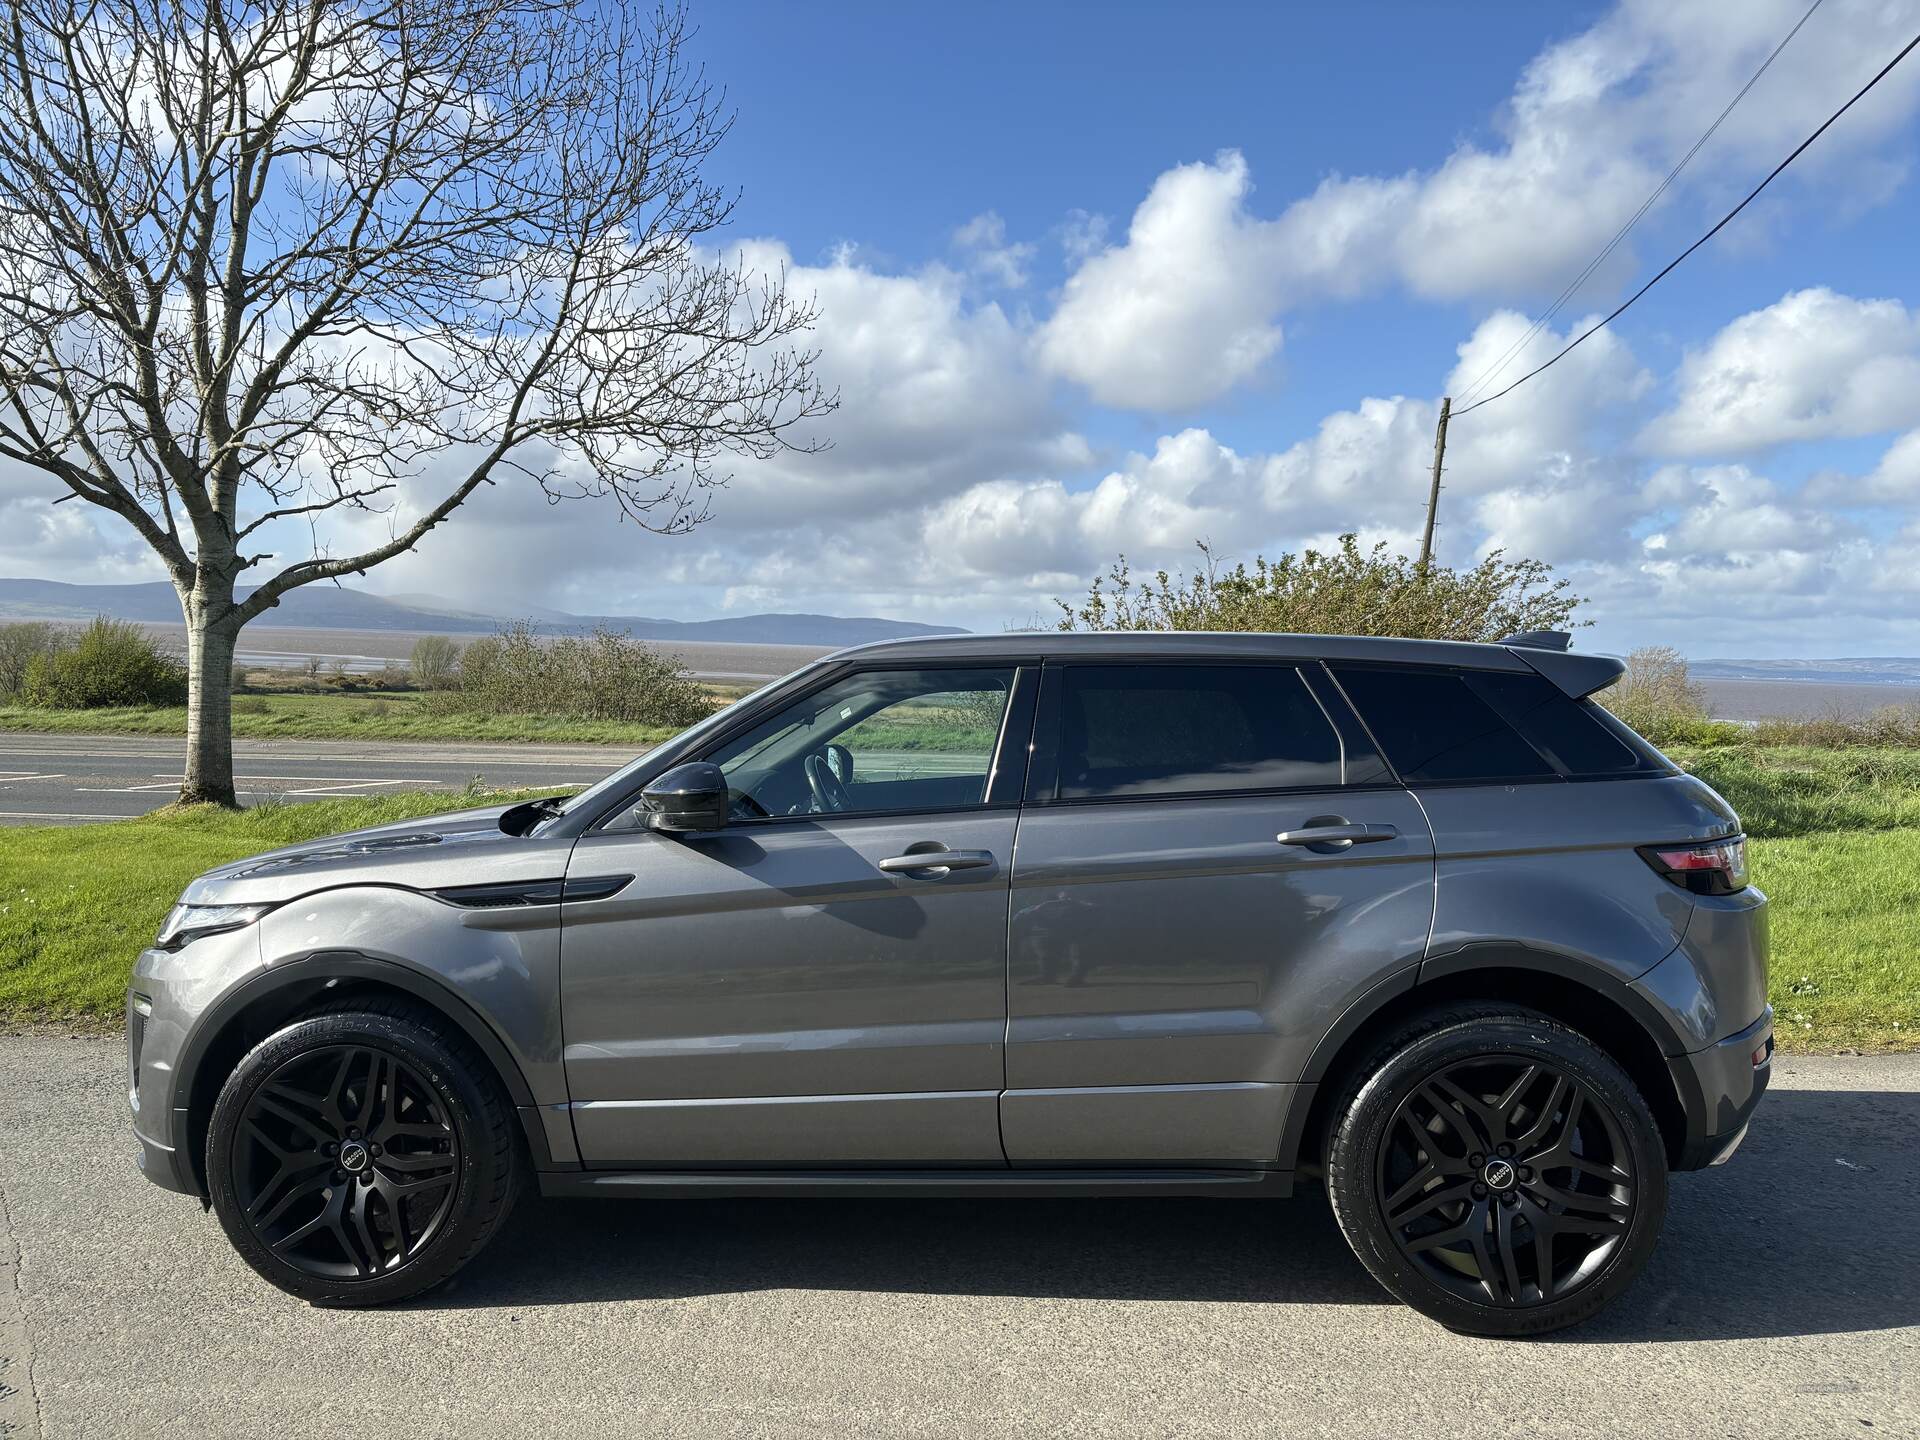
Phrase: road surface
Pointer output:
(1784, 1300)
(73, 779)
(78, 779)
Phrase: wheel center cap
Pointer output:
(353, 1157)
(1499, 1175)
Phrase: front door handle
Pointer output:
(1340, 836)
(923, 863)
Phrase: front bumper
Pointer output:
(168, 995)
(156, 1123)
(1720, 1086)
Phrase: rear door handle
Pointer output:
(921, 864)
(1338, 835)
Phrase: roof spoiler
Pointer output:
(1577, 676)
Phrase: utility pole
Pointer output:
(1433, 494)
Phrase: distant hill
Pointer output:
(1861, 670)
(327, 607)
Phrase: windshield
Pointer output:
(597, 791)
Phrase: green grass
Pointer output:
(1798, 790)
(1836, 844)
(1834, 836)
(398, 715)
(77, 903)
(1846, 938)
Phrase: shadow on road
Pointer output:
(1786, 1240)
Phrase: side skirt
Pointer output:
(1011, 1184)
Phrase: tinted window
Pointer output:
(1434, 727)
(1575, 734)
(1173, 729)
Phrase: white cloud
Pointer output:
(1189, 304)
(1183, 309)
(73, 542)
(1812, 366)
(983, 241)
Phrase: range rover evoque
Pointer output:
(1016, 915)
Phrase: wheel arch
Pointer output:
(1582, 995)
(273, 997)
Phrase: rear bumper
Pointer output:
(1720, 1086)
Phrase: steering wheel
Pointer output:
(829, 790)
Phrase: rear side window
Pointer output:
(1577, 735)
(1434, 727)
(1129, 730)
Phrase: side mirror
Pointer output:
(686, 799)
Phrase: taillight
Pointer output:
(1716, 868)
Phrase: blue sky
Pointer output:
(1111, 279)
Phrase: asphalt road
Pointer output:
(73, 779)
(1784, 1299)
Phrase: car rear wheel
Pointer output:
(361, 1156)
(1498, 1172)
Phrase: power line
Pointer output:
(1492, 372)
(1674, 264)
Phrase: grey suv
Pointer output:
(1023, 915)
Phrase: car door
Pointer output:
(1212, 863)
(823, 982)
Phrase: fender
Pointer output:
(311, 976)
(1484, 956)
(1608, 984)
(1589, 974)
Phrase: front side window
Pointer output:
(873, 742)
(1139, 730)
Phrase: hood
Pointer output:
(466, 847)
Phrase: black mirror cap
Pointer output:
(688, 798)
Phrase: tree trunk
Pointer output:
(208, 779)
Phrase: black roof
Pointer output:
(1575, 674)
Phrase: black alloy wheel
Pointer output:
(363, 1154)
(1497, 1170)
(346, 1162)
(1506, 1180)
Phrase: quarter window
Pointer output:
(1435, 728)
(1583, 739)
(1135, 730)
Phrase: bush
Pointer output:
(435, 662)
(1891, 726)
(111, 663)
(252, 705)
(1349, 591)
(20, 646)
(607, 675)
(1659, 698)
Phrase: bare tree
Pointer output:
(435, 662)
(266, 263)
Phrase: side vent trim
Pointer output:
(532, 892)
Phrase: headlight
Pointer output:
(190, 922)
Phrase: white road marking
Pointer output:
(10, 778)
(59, 815)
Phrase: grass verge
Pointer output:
(398, 715)
(77, 903)
(1836, 844)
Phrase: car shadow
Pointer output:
(1809, 1230)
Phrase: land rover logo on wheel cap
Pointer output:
(353, 1157)
(1498, 1175)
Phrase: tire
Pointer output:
(1460, 1229)
(362, 1155)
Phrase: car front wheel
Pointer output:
(362, 1155)
(1498, 1171)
